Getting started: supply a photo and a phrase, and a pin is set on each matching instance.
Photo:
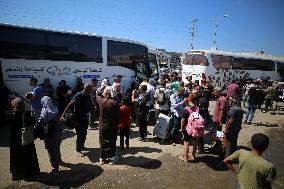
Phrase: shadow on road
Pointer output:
(135, 134)
(213, 162)
(68, 133)
(94, 153)
(126, 157)
(265, 125)
(146, 149)
(78, 175)
(140, 161)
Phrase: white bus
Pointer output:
(220, 68)
(42, 53)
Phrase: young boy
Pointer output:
(125, 121)
(254, 171)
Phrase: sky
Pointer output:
(251, 25)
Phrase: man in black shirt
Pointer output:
(82, 102)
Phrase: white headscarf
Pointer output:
(107, 90)
(49, 109)
(104, 83)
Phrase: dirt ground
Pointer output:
(151, 164)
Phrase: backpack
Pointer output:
(161, 97)
(195, 123)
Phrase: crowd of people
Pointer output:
(115, 110)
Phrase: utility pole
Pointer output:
(192, 31)
(215, 30)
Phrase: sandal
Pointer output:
(182, 159)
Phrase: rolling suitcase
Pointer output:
(162, 127)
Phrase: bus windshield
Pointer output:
(196, 59)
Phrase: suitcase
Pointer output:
(162, 127)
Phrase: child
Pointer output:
(254, 171)
(125, 121)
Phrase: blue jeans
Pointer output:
(250, 112)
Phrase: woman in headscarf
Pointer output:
(53, 138)
(108, 125)
(104, 84)
(116, 92)
(23, 158)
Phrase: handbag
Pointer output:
(27, 135)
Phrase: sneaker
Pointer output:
(79, 153)
(249, 123)
(182, 158)
(140, 139)
(102, 161)
(112, 160)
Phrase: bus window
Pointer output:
(238, 63)
(124, 54)
(196, 59)
(222, 62)
(265, 65)
(153, 69)
(69, 47)
(21, 43)
(253, 64)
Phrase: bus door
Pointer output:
(152, 66)
(140, 70)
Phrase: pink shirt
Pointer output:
(221, 104)
(233, 90)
